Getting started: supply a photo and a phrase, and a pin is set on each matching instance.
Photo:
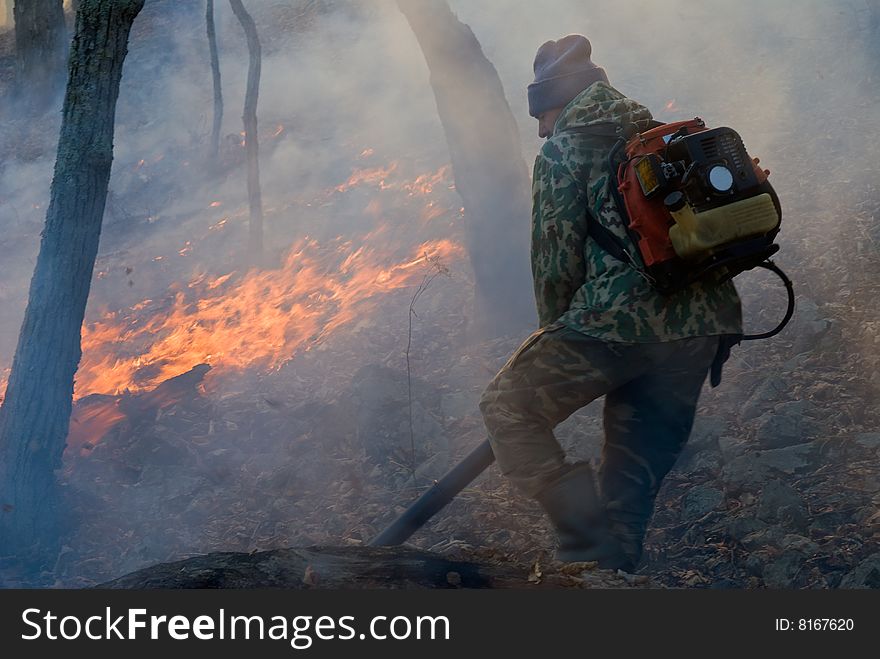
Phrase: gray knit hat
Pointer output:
(563, 70)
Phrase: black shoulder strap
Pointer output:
(604, 237)
(610, 242)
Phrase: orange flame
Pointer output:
(90, 423)
(374, 176)
(259, 319)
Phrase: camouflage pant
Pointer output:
(651, 392)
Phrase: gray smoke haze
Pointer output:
(344, 76)
(795, 77)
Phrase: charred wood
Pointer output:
(356, 568)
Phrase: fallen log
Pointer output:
(362, 567)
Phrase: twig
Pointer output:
(438, 269)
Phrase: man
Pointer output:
(604, 331)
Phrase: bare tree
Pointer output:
(215, 72)
(251, 138)
(35, 414)
(40, 47)
(490, 173)
(873, 32)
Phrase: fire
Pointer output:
(89, 423)
(424, 184)
(259, 319)
(374, 176)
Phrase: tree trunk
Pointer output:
(218, 89)
(252, 143)
(36, 412)
(873, 30)
(490, 173)
(40, 48)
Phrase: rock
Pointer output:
(766, 538)
(827, 524)
(776, 497)
(700, 500)
(739, 528)
(707, 431)
(731, 447)
(790, 459)
(870, 440)
(794, 517)
(809, 325)
(794, 364)
(699, 460)
(757, 466)
(701, 453)
(781, 572)
(795, 542)
(756, 562)
(865, 575)
(824, 391)
(765, 396)
(788, 424)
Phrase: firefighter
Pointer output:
(603, 331)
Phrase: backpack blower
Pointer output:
(698, 208)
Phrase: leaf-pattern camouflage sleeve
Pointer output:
(558, 234)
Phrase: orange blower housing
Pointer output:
(686, 165)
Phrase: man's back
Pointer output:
(576, 281)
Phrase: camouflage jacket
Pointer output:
(578, 283)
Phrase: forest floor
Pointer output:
(779, 486)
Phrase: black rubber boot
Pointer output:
(578, 515)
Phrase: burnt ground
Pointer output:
(778, 488)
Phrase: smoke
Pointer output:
(343, 79)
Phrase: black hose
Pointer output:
(789, 312)
(432, 501)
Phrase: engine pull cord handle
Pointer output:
(789, 312)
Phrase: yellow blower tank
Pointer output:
(695, 235)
